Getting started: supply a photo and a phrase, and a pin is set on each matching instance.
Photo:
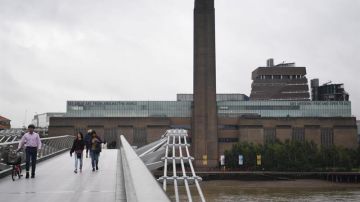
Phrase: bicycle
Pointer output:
(14, 159)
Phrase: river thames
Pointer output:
(295, 190)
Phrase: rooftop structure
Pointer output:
(284, 81)
(328, 91)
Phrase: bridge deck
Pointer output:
(56, 181)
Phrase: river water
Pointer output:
(297, 190)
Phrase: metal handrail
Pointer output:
(140, 185)
(50, 146)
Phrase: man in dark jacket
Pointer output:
(87, 140)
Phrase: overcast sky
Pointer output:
(52, 51)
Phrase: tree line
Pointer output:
(292, 156)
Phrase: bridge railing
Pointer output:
(50, 147)
(140, 184)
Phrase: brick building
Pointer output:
(4, 123)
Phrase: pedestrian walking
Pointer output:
(78, 148)
(95, 150)
(87, 140)
(32, 143)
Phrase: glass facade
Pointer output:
(225, 108)
(128, 109)
(284, 108)
(219, 97)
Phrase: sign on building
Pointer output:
(258, 160)
(241, 160)
(222, 160)
(204, 160)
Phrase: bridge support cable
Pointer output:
(174, 170)
(159, 144)
(177, 139)
(184, 173)
(7, 140)
(194, 175)
(165, 162)
(172, 150)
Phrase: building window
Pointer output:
(269, 135)
(228, 139)
(228, 127)
(139, 137)
(298, 134)
(77, 107)
(327, 137)
(186, 127)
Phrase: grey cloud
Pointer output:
(142, 50)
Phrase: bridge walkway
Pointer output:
(55, 181)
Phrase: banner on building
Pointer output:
(222, 160)
(258, 160)
(241, 160)
(204, 160)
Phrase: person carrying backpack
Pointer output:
(87, 141)
(78, 147)
(95, 150)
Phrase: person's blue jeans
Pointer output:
(31, 153)
(78, 160)
(94, 158)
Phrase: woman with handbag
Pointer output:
(78, 147)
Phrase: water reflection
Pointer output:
(299, 190)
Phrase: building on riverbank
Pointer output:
(43, 120)
(279, 108)
(142, 122)
(4, 123)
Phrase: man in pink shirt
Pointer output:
(32, 143)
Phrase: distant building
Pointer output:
(279, 108)
(42, 120)
(284, 81)
(4, 123)
(328, 91)
(225, 108)
(11, 135)
(358, 130)
(141, 122)
(219, 97)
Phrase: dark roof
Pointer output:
(279, 71)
